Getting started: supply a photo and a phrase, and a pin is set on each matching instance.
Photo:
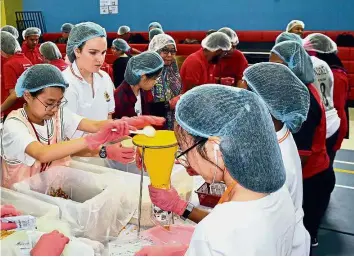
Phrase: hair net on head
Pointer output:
(155, 25)
(144, 63)
(11, 29)
(121, 44)
(32, 31)
(217, 41)
(296, 58)
(81, 33)
(9, 44)
(154, 32)
(294, 23)
(231, 34)
(38, 77)
(160, 41)
(286, 97)
(241, 120)
(50, 51)
(285, 36)
(320, 43)
(123, 30)
(211, 31)
(67, 27)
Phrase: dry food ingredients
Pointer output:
(58, 193)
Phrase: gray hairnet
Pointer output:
(155, 24)
(286, 97)
(32, 31)
(231, 34)
(81, 33)
(160, 41)
(9, 44)
(320, 43)
(217, 41)
(294, 23)
(144, 63)
(11, 29)
(296, 58)
(123, 30)
(67, 27)
(50, 51)
(155, 32)
(285, 36)
(121, 44)
(241, 120)
(38, 77)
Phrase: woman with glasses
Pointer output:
(168, 84)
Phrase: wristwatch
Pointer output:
(103, 152)
(187, 211)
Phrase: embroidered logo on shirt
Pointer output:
(107, 97)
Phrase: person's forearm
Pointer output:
(10, 101)
(135, 51)
(91, 126)
(88, 153)
(197, 215)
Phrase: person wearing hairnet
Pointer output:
(230, 69)
(210, 31)
(318, 180)
(223, 139)
(132, 96)
(168, 85)
(199, 67)
(276, 85)
(155, 32)
(30, 47)
(125, 34)
(11, 29)
(16, 63)
(325, 49)
(51, 54)
(154, 25)
(296, 27)
(65, 31)
(120, 48)
(285, 36)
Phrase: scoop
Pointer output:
(148, 131)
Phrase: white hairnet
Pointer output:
(294, 23)
(285, 36)
(144, 63)
(11, 29)
(32, 31)
(320, 43)
(81, 33)
(242, 121)
(231, 34)
(155, 25)
(121, 44)
(217, 41)
(50, 51)
(160, 41)
(286, 97)
(123, 30)
(38, 77)
(67, 27)
(9, 44)
(155, 32)
(296, 58)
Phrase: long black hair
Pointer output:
(332, 60)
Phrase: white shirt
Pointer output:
(138, 108)
(16, 136)
(260, 227)
(293, 169)
(95, 101)
(324, 82)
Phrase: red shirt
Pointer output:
(196, 71)
(60, 64)
(33, 55)
(232, 66)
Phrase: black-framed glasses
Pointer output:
(50, 107)
(181, 157)
(166, 51)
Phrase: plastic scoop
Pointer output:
(148, 131)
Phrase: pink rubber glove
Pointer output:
(228, 81)
(107, 135)
(163, 250)
(117, 152)
(144, 120)
(167, 200)
(173, 102)
(8, 211)
(51, 244)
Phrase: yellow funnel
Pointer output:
(159, 156)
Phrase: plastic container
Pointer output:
(206, 198)
(177, 234)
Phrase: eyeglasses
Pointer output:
(181, 157)
(52, 106)
(167, 51)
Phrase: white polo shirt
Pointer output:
(93, 102)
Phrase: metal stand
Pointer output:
(141, 188)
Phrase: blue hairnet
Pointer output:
(120, 44)
(285, 36)
(67, 27)
(144, 63)
(11, 29)
(50, 51)
(241, 120)
(217, 41)
(155, 24)
(155, 32)
(231, 34)
(123, 30)
(9, 44)
(287, 98)
(81, 33)
(32, 31)
(296, 58)
(38, 77)
(320, 43)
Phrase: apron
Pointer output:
(14, 171)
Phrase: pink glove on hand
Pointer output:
(163, 250)
(107, 135)
(173, 102)
(8, 211)
(51, 244)
(117, 152)
(142, 121)
(167, 200)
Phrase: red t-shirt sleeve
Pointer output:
(10, 77)
(191, 72)
(340, 90)
(243, 64)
